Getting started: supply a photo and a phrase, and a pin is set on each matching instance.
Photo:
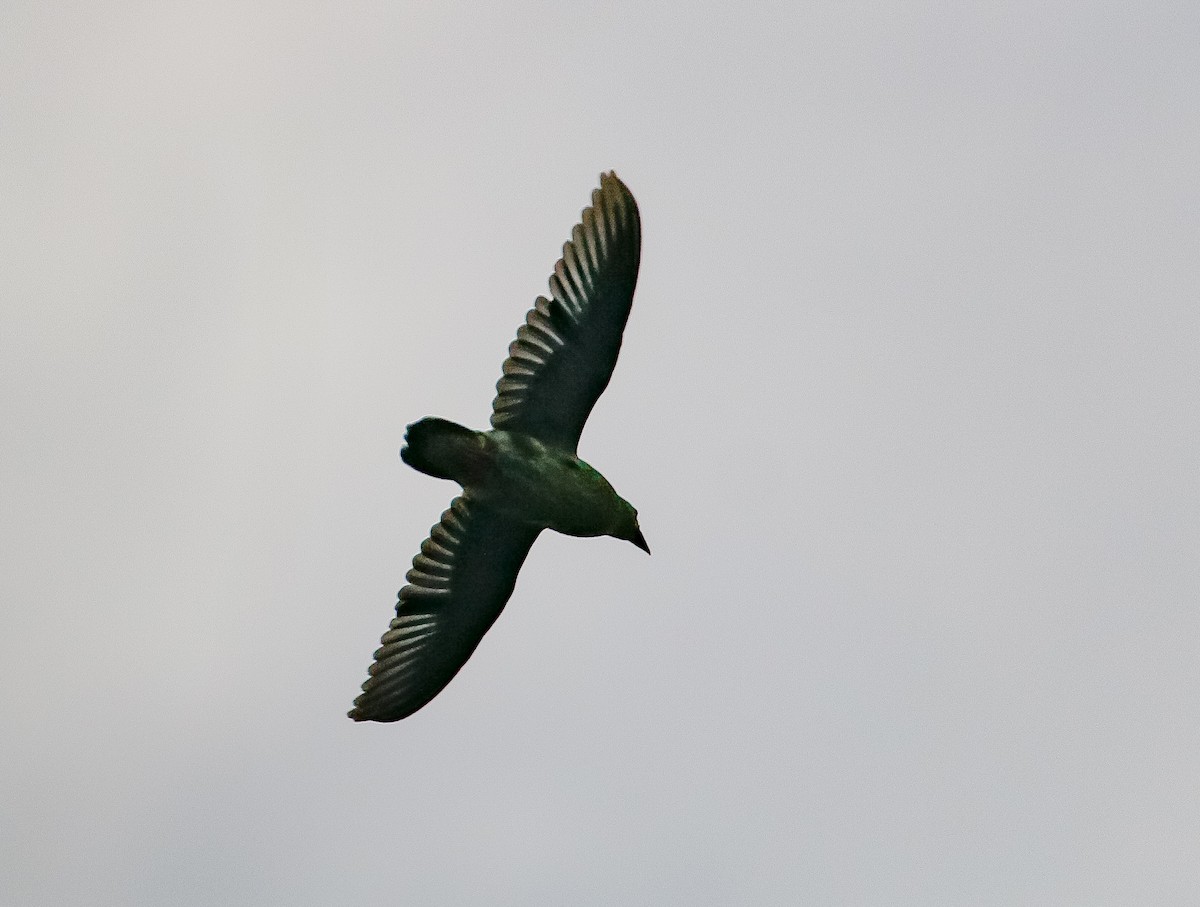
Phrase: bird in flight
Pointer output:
(523, 475)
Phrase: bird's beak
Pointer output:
(640, 540)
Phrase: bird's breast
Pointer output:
(541, 486)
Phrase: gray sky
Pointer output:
(907, 404)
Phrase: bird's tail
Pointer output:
(445, 450)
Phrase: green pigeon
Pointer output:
(521, 477)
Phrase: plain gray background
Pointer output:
(908, 405)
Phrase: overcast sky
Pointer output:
(907, 405)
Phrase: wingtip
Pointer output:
(610, 178)
(362, 712)
(614, 196)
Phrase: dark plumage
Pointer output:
(522, 476)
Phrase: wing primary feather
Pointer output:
(434, 550)
(397, 660)
(453, 522)
(398, 633)
(545, 328)
(589, 240)
(418, 593)
(577, 266)
(427, 564)
(384, 686)
(528, 335)
(427, 580)
(562, 288)
(516, 367)
(520, 351)
(509, 384)
(600, 213)
(413, 617)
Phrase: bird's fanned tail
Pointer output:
(444, 450)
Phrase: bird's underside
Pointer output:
(556, 369)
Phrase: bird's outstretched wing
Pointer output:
(564, 354)
(457, 587)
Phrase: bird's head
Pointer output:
(628, 528)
